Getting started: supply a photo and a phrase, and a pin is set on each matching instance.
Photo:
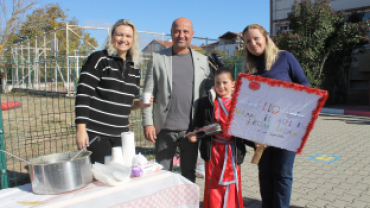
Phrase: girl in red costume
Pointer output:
(222, 153)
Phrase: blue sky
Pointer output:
(210, 18)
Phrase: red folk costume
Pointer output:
(222, 175)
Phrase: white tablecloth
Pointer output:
(161, 189)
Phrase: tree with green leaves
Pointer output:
(39, 30)
(323, 41)
(50, 18)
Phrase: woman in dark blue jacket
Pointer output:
(263, 58)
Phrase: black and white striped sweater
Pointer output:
(105, 93)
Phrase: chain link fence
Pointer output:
(38, 84)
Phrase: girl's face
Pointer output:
(224, 84)
(255, 42)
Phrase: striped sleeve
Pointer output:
(88, 81)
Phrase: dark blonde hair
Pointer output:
(271, 51)
(134, 50)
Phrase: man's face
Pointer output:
(181, 33)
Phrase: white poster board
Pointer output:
(274, 113)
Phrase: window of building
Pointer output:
(282, 28)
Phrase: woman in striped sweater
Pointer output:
(108, 84)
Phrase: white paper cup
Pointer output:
(146, 97)
(117, 154)
(107, 159)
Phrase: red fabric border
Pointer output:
(277, 83)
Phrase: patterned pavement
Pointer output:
(337, 175)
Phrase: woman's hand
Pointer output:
(82, 138)
(258, 144)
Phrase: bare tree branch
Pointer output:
(11, 18)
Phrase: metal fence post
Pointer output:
(3, 171)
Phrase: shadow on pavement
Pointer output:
(348, 119)
(251, 203)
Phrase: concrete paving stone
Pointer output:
(313, 167)
(311, 176)
(330, 206)
(295, 196)
(348, 197)
(336, 191)
(349, 172)
(328, 175)
(366, 180)
(361, 186)
(353, 180)
(340, 204)
(335, 180)
(364, 198)
(251, 194)
(328, 185)
(320, 171)
(304, 180)
(354, 192)
(359, 204)
(301, 203)
(311, 185)
(342, 176)
(310, 196)
(363, 173)
(251, 191)
(318, 203)
(338, 169)
(363, 162)
(297, 185)
(320, 180)
(302, 191)
(367, 192)
(320, 191)
(346, 165)
(344, 186)
(329, 197)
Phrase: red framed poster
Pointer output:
(272, 112)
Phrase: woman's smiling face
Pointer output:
(255, 42)
(123, 38)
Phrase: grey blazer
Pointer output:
(158, 81)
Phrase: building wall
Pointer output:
(229, 49)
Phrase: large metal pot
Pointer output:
(55, 174)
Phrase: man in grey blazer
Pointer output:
(176, 78)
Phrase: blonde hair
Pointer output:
(271, 51)
(134, 50)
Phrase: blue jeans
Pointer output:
(276, 177)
